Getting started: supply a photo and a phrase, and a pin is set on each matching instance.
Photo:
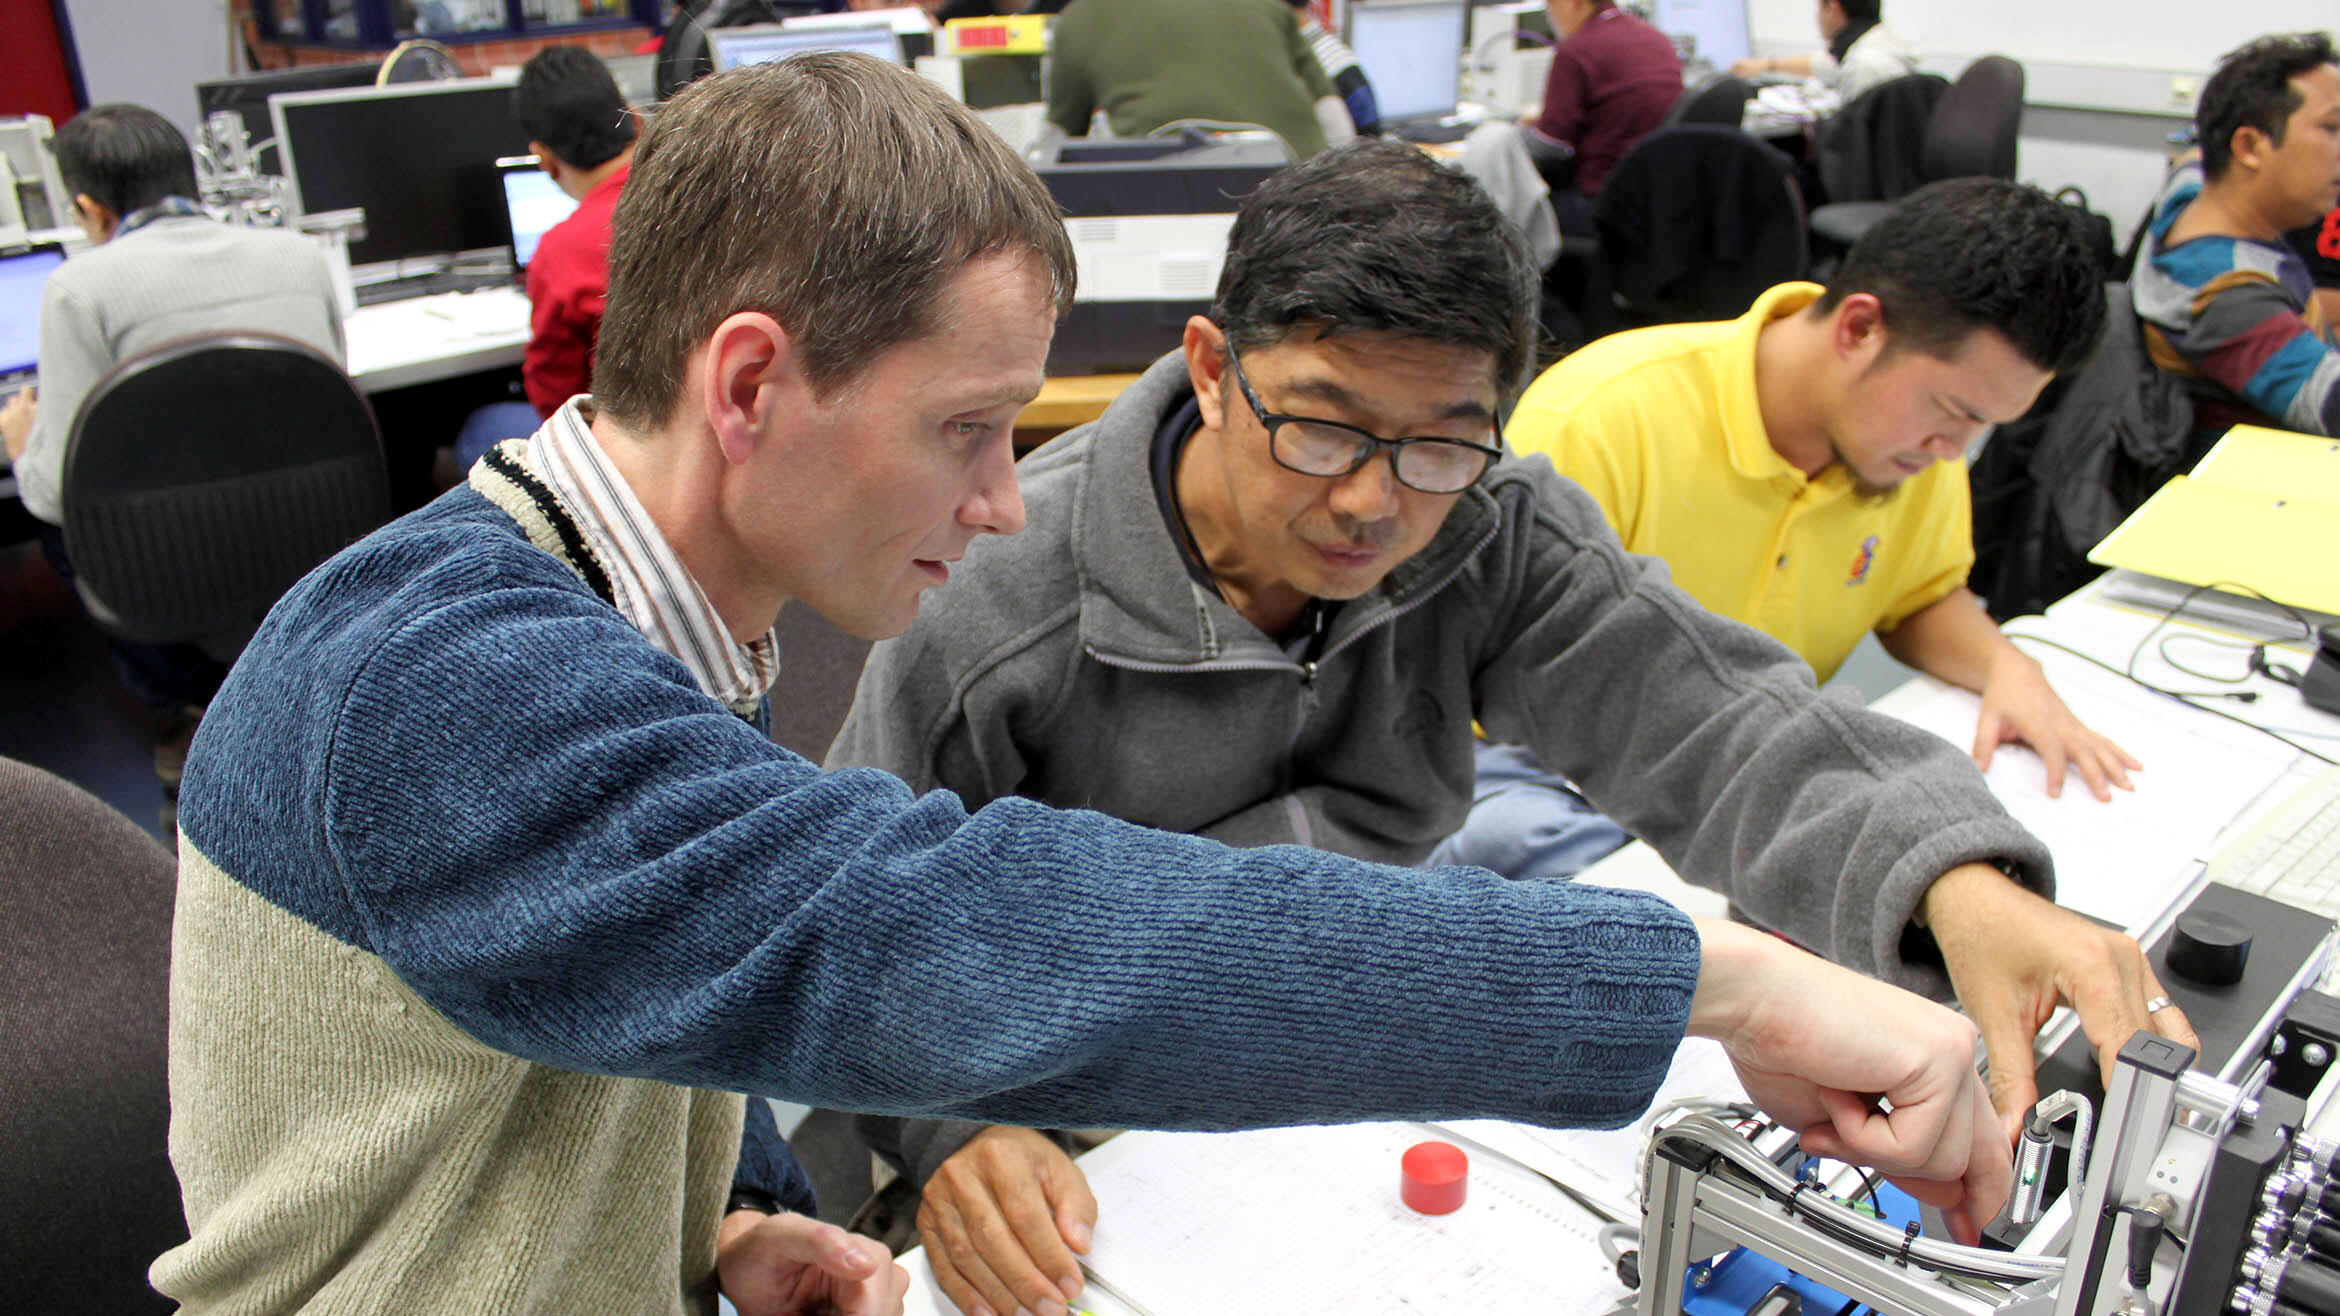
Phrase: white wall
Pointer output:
(2150, 34)
(2106, 81)
(152, 52)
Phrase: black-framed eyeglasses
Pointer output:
(1330, 449)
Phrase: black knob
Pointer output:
(2210, 950)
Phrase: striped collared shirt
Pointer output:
(649, 583)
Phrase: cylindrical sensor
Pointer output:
(2209, 949)
(1433, 1177)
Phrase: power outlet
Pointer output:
(2182, 91)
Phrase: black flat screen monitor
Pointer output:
(248, 95)
(419, 158)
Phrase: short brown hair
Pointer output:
(833, 192)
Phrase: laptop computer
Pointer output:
(1411, 51)
(533, 203)
(23, 275)
(1711, 35)
(762, 43)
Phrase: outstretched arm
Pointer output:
(1953, 638)
(1864, 1072)
(2015, 957)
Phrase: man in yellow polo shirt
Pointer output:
(1801, 468)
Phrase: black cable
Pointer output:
(1869, 1180)
(2306, 630)
(2243, 647)
(2185, 697)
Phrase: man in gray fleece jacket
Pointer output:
(1245, 608)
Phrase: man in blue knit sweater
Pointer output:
(495, 897)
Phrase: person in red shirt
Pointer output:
(582, 131)
(2318, 245)
(1613, 78)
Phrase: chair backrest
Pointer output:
(1696, 222)
(87, 1196)
(2052, 483)
(1720, 98)
(1872, 149)
(203, 477)
(419, 60)
(1973, 128)
(684, 55)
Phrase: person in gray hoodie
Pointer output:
(1263, 598)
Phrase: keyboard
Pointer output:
(1433, 130)
(2292, 854)
(430, 285)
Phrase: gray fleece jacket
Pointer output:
(1079, 664)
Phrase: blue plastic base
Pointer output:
(1739, 1279)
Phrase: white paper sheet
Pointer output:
(2121, 861)
(1308, 1220)
(1605, 1166)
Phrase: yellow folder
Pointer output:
(2261, 512)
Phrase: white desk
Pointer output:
(1579, 1283)
(422, 339)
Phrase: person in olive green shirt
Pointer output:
(1146, 63)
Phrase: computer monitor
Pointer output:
(533, 203)
(248, 95)
(419, 158)
(1148, 221)
(23, 276)
(1712, 34)
(1411, 51)
(762, 43)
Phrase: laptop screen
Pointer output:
(22, 276)
(738, 46)
(534, 203)
(1411, 53)
(1716, 30)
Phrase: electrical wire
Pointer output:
(2189, 698)
(1846, 1225)
(2244, 647)
(1590, 1207)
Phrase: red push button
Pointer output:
(1433, 1177)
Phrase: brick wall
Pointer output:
(475, 57)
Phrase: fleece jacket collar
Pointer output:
(1138, 605)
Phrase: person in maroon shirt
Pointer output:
(1613, 79)
(582, 132)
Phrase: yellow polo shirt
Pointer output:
(1661, 426)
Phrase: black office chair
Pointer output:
(204, 477)
(2050, 485)
(419, 60)
(87, 1196)
(1695, 222)
(683, 53)
(1720, 98)
(1870, 149)
(1971, 133)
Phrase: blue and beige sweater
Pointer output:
(487, 914)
